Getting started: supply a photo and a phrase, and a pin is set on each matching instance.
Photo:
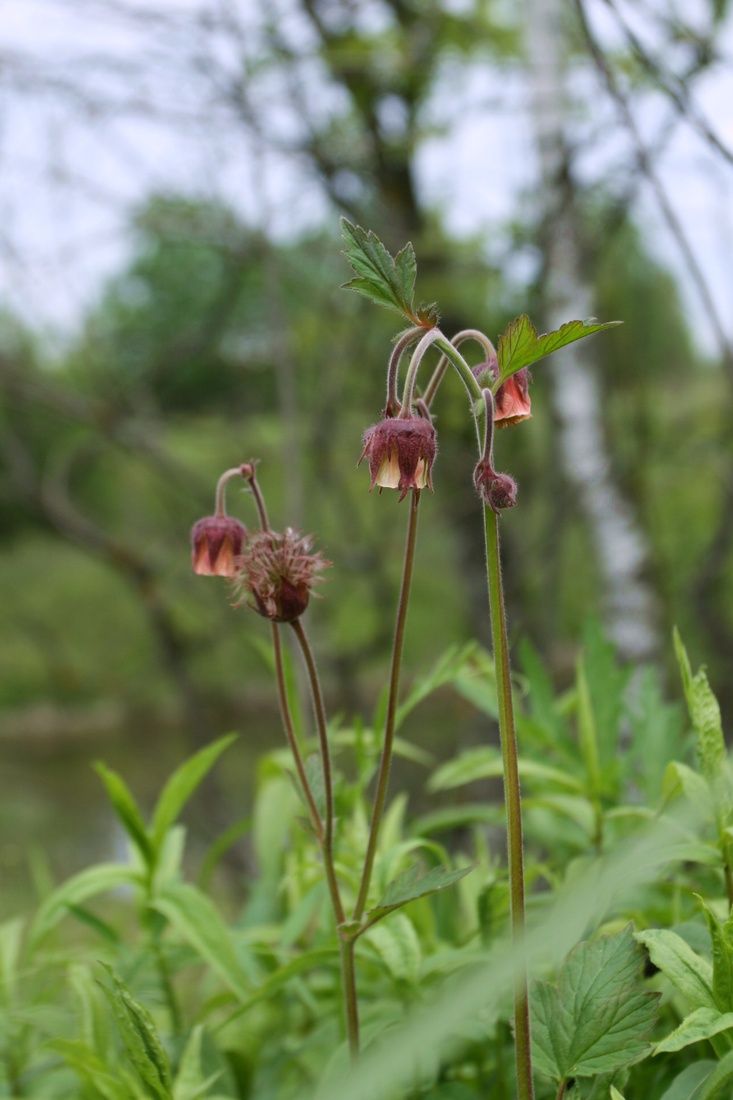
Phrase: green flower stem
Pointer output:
(385, 763)
(351, 1002)
(287, 721)
(432, 336)
(512, 800)
(512, 793)
(392, 405)
(459, 338)
(348, 977)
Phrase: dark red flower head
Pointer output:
(497, 490)
(400, 452)
(216, 544)
(278, 572)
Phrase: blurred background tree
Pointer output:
(529, 152)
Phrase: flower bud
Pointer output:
(216, 544)
(499, 491)
(278, 572)
(400, 452)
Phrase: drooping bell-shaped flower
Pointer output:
(216, 545)
(277, 572)
(512, 402)
(400, 452)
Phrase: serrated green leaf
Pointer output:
(415, 883)
(197, 919)
(706, 721)
(595, 1019)
(126, 808)
(703, 1023)
(688, 971)
(520, 344)
(182, 784)
(374, 291)
(615, 1094)
(86, 884)
(139, 1036)
(406, 267)
(385, 280)
(721, 937)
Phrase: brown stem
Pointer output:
(287, 720)
(259, 500)
(385, 762)
(347, 956)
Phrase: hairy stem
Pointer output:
(385, 763)
(408, 393)
(348, 977)
(287, 721)
(512, 799)
(392, 405)
(259, 500)
(460, 338)
(220, 508)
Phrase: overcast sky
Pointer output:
(75, 162)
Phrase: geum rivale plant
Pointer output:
(274, 572)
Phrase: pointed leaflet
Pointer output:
(597, 1016)
(182, 784)
(688, 971)
(721, 936)
(385, 280)
(86, 884)
(520, 344)
(706, 722)
(126, 808)
(415, 883)
(198, 921)
(703, 1023)
(140, 1037)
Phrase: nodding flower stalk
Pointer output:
(497, 491)
(274, 573)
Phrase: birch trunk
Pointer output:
(630, 606)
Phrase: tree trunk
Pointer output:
(630, 605)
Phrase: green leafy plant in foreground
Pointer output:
(85, 1003)
(380, 955)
